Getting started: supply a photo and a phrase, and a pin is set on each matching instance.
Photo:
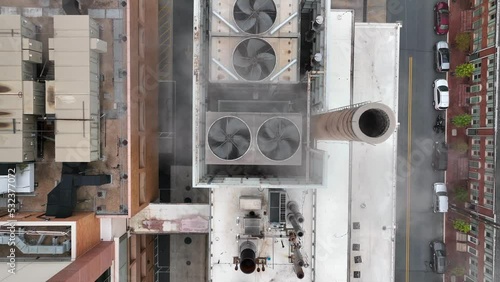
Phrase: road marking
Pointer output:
(408, 164)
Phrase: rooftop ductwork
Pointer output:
(372, 123)
(294, 208)
(296, 226)
(39, 249)
(297, 268)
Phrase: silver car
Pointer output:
(442, 56)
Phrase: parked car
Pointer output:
(441, 94)
(440, 156)
(441, 18)
(438, 257)
(440, 201)
(442, 55)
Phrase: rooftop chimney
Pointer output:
(247, 257)
(372, 123)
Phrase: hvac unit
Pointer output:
(277, 206)
(254, 60)
(268, 18)
(253, 138)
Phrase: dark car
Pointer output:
(441, 18)
(438, 257)
(440, 156)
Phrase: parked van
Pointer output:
(440, 202)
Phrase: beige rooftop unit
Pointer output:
(74, 94)
(21, 98)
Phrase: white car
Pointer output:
(441, 94)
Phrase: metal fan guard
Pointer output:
(249, 133)
(299, 141)
(234, 20)
(275, 62)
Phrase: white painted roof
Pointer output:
(228, 222)
(360, 185)
(366, 192)
(339, 40)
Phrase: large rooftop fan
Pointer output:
(229, 138)
(278, 139)
(254, 59)
(254, 16)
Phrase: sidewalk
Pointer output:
(457, 172)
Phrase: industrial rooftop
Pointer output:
(265, 140)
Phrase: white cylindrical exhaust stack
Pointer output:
(316, 26)
(372, 123)
(318, 21)
(298, 269)
(294, 208)
(296, 226)
(247, 257)
(298, 257)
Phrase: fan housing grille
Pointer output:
(254, 59)
(253, 155)
(254, 16)
(229, 138)
(278, 139)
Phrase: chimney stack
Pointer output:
(372, 123)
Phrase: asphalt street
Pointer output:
(417, 225)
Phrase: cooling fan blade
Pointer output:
(254, 59)
(229, 138)
(278, 139)
(254, 16)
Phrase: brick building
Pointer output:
(482, 135)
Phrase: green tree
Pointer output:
(462, 41)
(461, 194)
(460, 147)
(461, 225)
(461, 120)
(464, 70)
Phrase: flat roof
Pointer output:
(360, 188)
(227, 233)
(339, 41)
(365, 194)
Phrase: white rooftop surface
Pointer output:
(360, 182)
(366, 193)
(339, 41)
(225, 228)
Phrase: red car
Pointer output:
(441, 18)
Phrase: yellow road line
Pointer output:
(408, 176)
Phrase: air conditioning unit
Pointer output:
(253, 138)
(266, 18)
(254, 60)
(277, 206)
